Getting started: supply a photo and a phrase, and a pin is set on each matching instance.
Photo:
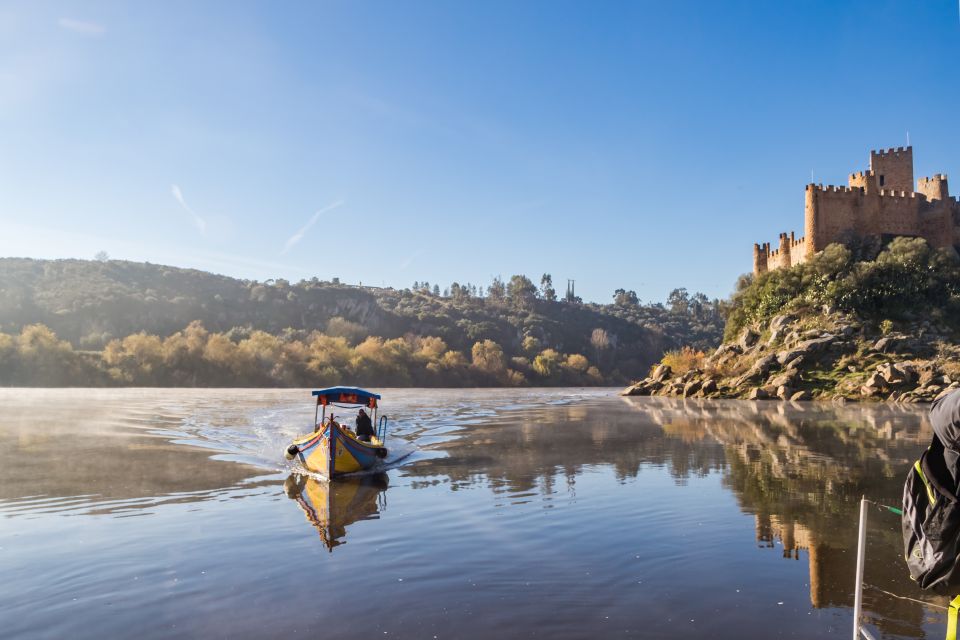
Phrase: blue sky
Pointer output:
(623, 144)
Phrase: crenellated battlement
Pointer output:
(892, 151)
(881, 201)
(894, 194)
(830, 188)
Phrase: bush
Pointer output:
(906, 278)
(682, 360)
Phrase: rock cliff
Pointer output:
(830, 356)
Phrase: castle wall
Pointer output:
(938, 222)
(892, 213)
(798, 251)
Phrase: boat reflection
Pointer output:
(333, 506)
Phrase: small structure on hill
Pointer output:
(879, 202)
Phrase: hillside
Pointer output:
(97, 310)
(854, 323)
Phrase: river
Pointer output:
(540, 513)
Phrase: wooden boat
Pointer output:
(331, 507)
(333, 449)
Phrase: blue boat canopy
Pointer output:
(346, 395)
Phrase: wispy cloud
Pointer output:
(298, 236)
(198, 222)
(406, 262)
(83, 27)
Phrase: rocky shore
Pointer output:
(824, 357)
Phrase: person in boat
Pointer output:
(364, 426)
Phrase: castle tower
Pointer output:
(934, 188)
(863, 180)
(759, 258)
(893, 168)
(812, 227)
(783, 252)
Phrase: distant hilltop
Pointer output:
(877, 203)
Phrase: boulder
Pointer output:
(886, 344)
(876, 381)
(709, 386)
(788, 378)
(890, 374)
(748, 338)
(815, 345)
(757, 394)
(870, 392)
(781, 321)
(661, 372)
(795, 364)
(801, 396)
(761, 367)
(726, 350)
(784, 392)
(691, 388)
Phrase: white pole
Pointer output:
(861, 550)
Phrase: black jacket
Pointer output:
(931, 508)
(364, 425)
(945, 420)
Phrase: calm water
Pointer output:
(539, 513)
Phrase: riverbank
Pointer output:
(831, 356)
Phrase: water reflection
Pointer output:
(595, 502)
(333, 506)
(800, 470)
(90, 452)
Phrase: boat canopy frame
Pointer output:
(344, 397)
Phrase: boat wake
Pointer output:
(257, 429)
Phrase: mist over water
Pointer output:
(563, 513)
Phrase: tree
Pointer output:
(497, 292)
(547, 363)
(623, 298)
(679, 301)
(521, 292)
(546, 288)
(600, 341)
(487, 356)
(101, 256)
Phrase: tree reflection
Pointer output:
(800, 470)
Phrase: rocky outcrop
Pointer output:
(831, 357)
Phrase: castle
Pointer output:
(879, 202)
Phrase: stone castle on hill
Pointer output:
(879, 202)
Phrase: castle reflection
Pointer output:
(800, 470)
(331, 507)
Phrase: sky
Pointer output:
(633, 145)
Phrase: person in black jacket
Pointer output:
(364, 426)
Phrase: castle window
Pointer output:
(881, 180)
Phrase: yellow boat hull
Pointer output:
(350, 455)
